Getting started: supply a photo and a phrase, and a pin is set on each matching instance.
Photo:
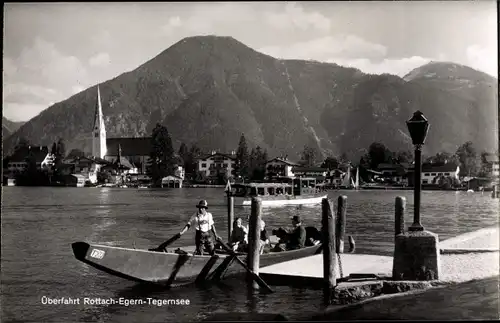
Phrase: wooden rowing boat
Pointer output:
(169, 268)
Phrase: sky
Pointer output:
(55, 50)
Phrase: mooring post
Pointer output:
(254, 238)
(399, 224)
(329, 259)
(230, 214)
(340, 223)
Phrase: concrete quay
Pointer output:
(469, 262)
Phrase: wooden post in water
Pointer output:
(230, 214)
(340, 223)
(254, 238)
(329, 259)
(399, 224)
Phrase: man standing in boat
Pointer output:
(204, 224)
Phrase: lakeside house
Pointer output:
(215, 163)
(19, 160)
(133, 152)
(318, 173)
(394, 173)
(171, 181)
(280, 167)
(493, 165)
(431, 174)
(335, 177)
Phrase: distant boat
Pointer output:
(347, 181)
(356, 184)
(302, 190)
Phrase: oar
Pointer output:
(166, 243)
(256, 277)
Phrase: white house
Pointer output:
(493, 161)
(280, 167)
(179, 172)
(215, 163)
(430, 172)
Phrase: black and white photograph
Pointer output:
(250, 161)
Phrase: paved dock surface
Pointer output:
(477, 299)
(454, 267)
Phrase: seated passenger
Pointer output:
(264, 237)
(293, 240)
(239, 236)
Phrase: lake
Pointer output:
(40, 223)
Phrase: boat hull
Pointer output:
(281, 200)
(163, 268)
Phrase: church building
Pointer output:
(132, 151)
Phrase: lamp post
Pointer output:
(418, 126)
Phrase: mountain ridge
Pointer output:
(208, 90)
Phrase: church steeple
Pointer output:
(99, 130)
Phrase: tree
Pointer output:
(191, 160)
(53, 151)
(364, 166)
(378, 154)
(258, 159)
(23, 143)
(469, 161)
(309, 156)
(330, 163)
(61, 148)
(162, 154)
(242, 158)
(404, 156)
(183, 154)
(485, 166)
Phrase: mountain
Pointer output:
(209, 90)
(9, 127)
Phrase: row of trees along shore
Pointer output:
(250, 164)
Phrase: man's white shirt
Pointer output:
(202, 222)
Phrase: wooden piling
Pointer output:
(399, 224)
(230, 215)
(329, 259)
(340, 223)
(254, 237)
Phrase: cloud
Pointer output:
(324, 48)
(348, 51)
(99, 60)
(172, 24)
(22, 111)
(396, 66)
(483, 58)
(294, 16)
(41, 74)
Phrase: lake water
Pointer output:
(40, 223)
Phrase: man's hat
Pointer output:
(296, 218)
(202, 204)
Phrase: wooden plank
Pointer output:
(206, 269)
(217, 273)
